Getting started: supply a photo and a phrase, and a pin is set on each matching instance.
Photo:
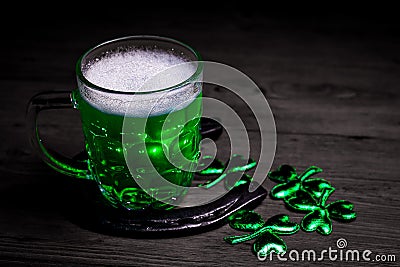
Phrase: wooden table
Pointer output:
(333, 87)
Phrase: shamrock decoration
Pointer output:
(215, 167)
(319, 213)
(300, 193)
(289, 182)
(266, 233)
(237, 162)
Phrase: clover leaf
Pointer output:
(266, 233)
(289, 182)
(237, 163)
(246, 220)
(320, 215)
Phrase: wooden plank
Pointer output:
(333, 90)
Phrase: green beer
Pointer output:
(140, 101)
(103, 138)
(149, 145)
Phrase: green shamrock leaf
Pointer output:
(316, 186)
(281, 225)
(302, 201)
(320, 215)
(317, 220)
(246, 220)
(265, 233)
(268, 243)
(236, 164)
(215, 167)
(239, 163)
(283, 174)
(289, 182)
(341, 210)
(231, 180)
(286, 190)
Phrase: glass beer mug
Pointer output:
(112, 94)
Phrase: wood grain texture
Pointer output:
(333, 87)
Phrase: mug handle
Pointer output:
(60, 163)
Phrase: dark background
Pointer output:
(331, 76)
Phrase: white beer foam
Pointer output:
(139, 71)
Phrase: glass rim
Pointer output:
(188, 81)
